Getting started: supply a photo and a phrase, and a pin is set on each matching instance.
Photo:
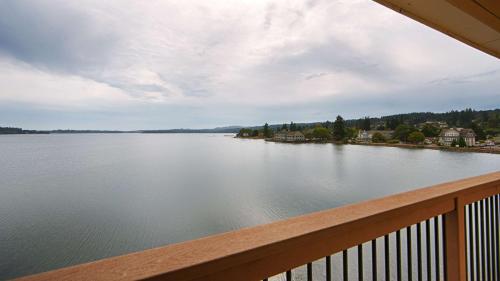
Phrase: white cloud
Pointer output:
(217, 54)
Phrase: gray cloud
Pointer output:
(53, 35)
(177, 63)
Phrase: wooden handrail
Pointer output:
(265, 250)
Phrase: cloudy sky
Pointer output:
(197, 64)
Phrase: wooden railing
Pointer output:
(465, 216)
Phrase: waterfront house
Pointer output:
(294, 136)
(366, 136)
(447, 136)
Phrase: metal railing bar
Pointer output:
(478, 241)
(497, 235)
(408, 253)
(436, 247)
(289, 275)
(487, 233)
(483, 252)
(470, 240)
(309, 272)
(445, 256)
(374, 259)
(398, 255)
(360, 262)
(387, 257)
(345, 262)
(419, 251)
(328, 268)
(428, 249)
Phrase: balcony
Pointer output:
(448, 231)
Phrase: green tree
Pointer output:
(454, 143)
(392, 123)
(364, 123)
(321, 133)
(378, 138)
(284, 127)
(293, 126)
(339, 129)
(267, 131)
(244, 132)
(403, 131)
(480, 133)
(255, 133)
(416, 137)
(350, 132)
(430, 131)
(461, 142)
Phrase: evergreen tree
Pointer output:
(454, 143)
(430, 131)
(480, 134)
(392, 123)
(403, 131)
(267, 131)
(339, 129)
(284, 127)
(461, 142)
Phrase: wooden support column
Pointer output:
(455, 242)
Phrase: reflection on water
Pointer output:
(68, 199)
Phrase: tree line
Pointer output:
(404, 126)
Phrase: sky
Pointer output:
(135, 64)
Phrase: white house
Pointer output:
(288, 136)
(366, 136)
(447, 136)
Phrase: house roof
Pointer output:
(476, 23)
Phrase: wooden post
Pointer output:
(455, 242)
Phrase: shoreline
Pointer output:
(490, 150)
(435, 147)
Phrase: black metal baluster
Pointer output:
(345, 261)
(328, 268)
(492, 238)
(492, 235)
(408, 253)
(477, 244)
(419, 251)
(387, 257)
(482, 240)
(497, 234)
(398, 255)
(445, 256)
(374, 259)
(289, 275)
(483, 252)
(436, 247)
(428, 249)
(470, 239)
(360, 262)
(488, 249)
(309, 272)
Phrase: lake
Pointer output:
(72, 198)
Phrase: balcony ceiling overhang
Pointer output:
(474, 22)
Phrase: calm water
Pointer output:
(68, 199)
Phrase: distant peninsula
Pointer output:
(410, 118)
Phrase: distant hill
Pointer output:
(454, 118)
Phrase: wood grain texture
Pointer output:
(471, 22)
(258, 252)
